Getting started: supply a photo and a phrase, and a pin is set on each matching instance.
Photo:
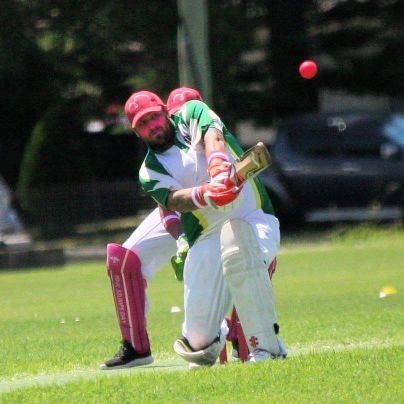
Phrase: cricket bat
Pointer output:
(251, 163)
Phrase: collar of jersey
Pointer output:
(179, 142)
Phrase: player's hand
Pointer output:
(224, 172)
(215, 195)
(220, 173)
(178, 260)
(218, 166)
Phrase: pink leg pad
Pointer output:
(128, 288)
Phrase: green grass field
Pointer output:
(57, 325)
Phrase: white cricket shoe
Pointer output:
(261, 355)
(196, 366)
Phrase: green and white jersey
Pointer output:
(184, 165)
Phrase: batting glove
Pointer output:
(178, 261)
(218, 166)
(215, 195)
(221, 173)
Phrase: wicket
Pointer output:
(237, 334)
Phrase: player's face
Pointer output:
(156, 129)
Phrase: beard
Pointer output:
(164, 138)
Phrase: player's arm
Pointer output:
(217, 193)
(216, 155)
(181, 200)
(214, 143)
(166, 191)
(171, 221)
(210, 194)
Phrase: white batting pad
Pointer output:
(203, 357)
(245, 269)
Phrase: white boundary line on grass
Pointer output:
(67, 377)
(172, 364)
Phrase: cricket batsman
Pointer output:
(228, 221)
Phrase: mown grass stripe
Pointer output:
(172, 365)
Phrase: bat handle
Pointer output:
(235, 178)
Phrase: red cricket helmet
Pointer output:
(179, 96)
(142, 103)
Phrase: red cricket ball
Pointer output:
(308, 69)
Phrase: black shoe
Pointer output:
(127, 357)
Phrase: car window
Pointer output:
(362, 138)
(350, 135)
(394, 129)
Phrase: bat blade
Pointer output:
(251, 163)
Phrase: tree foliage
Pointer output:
(26, 86)
(359, 44)
(55, 51)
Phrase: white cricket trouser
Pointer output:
(207, 298)
(152, 244)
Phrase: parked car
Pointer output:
(338, 167)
